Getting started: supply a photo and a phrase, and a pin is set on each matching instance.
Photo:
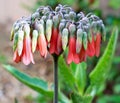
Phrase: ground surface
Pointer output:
(10, 88)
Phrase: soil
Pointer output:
(10, 87)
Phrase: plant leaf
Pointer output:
(99, 74)
(66, 73)
(73, 67)
(80, 76)
(34, 83)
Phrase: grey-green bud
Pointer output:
(72, 29)
(49, 25)
(15, 41)
(34, 40)
(27, 30)
(20, 41)
(64, 38)
(85, 40)
(79, 40)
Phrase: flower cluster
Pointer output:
(54, 31)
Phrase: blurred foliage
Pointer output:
(114, 4)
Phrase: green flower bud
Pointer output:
(64, 38)
(49, 25)
(89, 36)
(61, 26)
(41, 22)
(72, 15)
(15, 41)
(55, 21)
(20, 42)
(35, 15)
(72, 29)
(34, 40)
(40, 29)
(27, 30)
(85, 41)
(79, 40)
(12, 34)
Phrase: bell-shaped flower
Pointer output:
(91, 48)
(42, 44)
(72, 55)
(27, 57)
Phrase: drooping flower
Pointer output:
(16, 57)
(27, 56)
(42, 44)
(54, 31)
(83, 54)
(91, 48)
(53, 41)
(72, 55)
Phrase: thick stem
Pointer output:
(55, 57)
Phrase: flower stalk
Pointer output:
(55, 58)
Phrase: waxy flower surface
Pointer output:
(54, 31)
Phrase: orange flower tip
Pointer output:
(76, 58)
(69, 58)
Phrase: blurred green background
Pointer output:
(108, 10)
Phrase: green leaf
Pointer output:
(76, 98)
(87, 99)
(80, 76)
(63, 98)
(99, 74)
(34, 83)
(73, 67)
(66, 73)
(109, 99)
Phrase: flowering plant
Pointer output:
(62, 31)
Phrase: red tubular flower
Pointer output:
(72, 55)
(53, 41)
(16, 57)
(83, 54)
(97, 44)
(42, 45)
(27, 52)
(91, 48)
(59, 43)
